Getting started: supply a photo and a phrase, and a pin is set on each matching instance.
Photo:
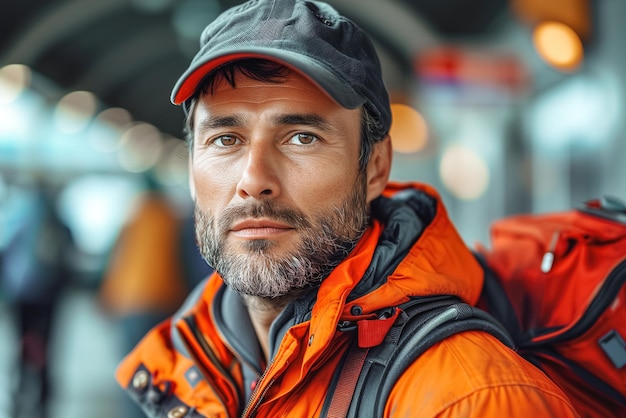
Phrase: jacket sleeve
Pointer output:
(151, 375)
(472, 375)
(169, 372)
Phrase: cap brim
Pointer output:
(324, 77)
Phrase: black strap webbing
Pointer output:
(367, 377)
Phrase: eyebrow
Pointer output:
(287, 119)
(307, 119)
(215, 122)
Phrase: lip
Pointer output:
(259, 228)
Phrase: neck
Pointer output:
(262, 313)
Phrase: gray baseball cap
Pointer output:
(308, 36)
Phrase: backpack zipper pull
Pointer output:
(548, 258)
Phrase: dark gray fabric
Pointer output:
(232, 319)
(404, 217)
(308, 35)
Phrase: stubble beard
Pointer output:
(325, 241)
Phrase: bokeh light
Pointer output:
(95, 217)
(140, 147)
(409, 132)
(559, 45)
(74, 111)
(106, 133)
(14, 79)
(463, 172)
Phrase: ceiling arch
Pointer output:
(131, 57)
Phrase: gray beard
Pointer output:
(325, 241)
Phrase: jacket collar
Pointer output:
(410, 249)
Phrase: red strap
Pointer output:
(346, 385)
(372, 332)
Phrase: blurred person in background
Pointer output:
(36, 267)
(152, 268)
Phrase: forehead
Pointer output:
(287, 84)
(290, 92)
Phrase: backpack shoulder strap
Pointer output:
(424, 322)
(495, 300)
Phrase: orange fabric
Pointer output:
(586, 249)
(145, 273)
(468, 375)
(473, 375)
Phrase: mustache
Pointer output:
(264, 209)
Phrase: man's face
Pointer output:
(279, 196)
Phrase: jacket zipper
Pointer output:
(213, 359)
(255, 399)
(606, 295)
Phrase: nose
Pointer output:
(260, 177)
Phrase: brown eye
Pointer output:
(225, 141)
(303, 139)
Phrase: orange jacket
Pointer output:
(205, 362)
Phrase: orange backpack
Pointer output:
(557, 283)
(554, 290)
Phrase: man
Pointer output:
(288, 122)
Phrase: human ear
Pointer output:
(378, 168)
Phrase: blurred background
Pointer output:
(505, 106)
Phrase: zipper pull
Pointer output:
(548, 257)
